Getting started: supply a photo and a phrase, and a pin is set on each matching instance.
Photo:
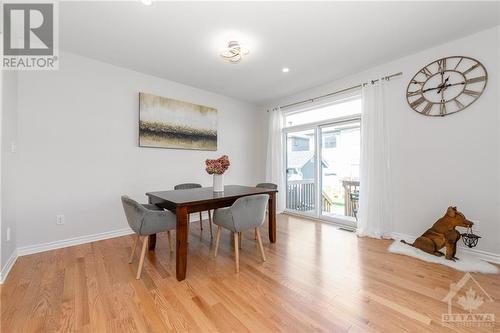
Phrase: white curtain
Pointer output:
(274, 162)
(374, 213)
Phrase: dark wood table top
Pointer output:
(206, 194)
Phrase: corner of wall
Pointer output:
(8, 144)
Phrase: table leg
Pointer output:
(272, 217)
(152, 238)
(181, 243)
(152, 242)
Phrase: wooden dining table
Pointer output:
(184, 202)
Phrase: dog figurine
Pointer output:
(443, 234)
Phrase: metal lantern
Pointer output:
(469, 238)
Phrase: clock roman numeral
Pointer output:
(442, 65)
(476, 79)
(470, 69)
(427, 108)
(426, 72)
(471, 93)
(459, 105)
(417, 102)
(413, 93)
(458, 63)
(442, 108)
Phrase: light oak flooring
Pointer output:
(316, 279)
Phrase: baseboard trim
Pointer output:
(8, 266)
(32, 249)
(37, 248)
(484, 255)
(339, 225)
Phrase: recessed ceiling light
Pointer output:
(285, 70)
(147, 2)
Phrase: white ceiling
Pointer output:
(318, 41)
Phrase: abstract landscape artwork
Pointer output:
(169, 123)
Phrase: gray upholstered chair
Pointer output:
(270, 186)
(187, 186)
(246, 213)
(145, 220)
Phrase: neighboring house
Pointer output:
(300, 165)
(299, 143)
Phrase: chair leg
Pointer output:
(133, 249)
(201, 222)
(210, 223)
(259, 240)
(143, 254)
(217, 240)
(170, 245)
(239, 239)
(236, 252)
(255, 237)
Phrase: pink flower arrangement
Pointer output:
(218, 166)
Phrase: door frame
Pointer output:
(318, 179)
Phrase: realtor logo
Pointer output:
(29, 36)
(468, 295)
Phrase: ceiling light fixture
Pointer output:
(147, 2)
(285, 70)
(234, 52)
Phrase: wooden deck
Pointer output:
(316, 279)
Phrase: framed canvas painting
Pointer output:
(169, 123)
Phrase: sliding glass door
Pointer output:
(339, 171)
(322, 161)
(301, 171)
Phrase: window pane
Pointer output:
(300, 172)
(340, 169)
(338, 110)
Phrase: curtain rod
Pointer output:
(310, 100)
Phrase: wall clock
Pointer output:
(446, 86)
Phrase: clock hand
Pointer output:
(429, 89)
(438, 87)
(443, 85)
(450, 85)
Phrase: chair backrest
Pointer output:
(269, 186)
(134, 212)
(186, 186)
(248, 212)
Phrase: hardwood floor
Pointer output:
(316, 279)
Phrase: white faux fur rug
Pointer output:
(466, 263)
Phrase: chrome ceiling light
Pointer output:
(234, 52)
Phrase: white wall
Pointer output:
(78, 152)
(437, 162)
(8, 167)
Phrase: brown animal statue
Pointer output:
(443, 234)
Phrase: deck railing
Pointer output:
(300, 195)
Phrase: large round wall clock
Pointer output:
(446, 86)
